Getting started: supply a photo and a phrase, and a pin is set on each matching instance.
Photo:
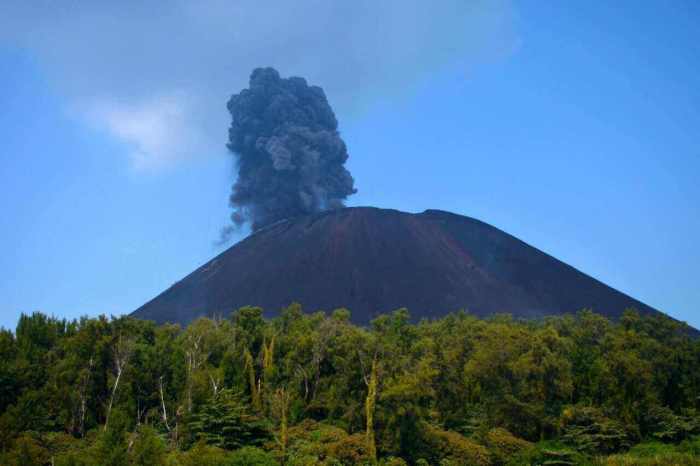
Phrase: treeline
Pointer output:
(309, 389)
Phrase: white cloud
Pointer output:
(121, 61)
(158, 131)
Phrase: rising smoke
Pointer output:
(290, 156)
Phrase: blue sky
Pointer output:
(571, 125)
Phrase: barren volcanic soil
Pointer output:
(373, 260)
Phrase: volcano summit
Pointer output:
(372, 260)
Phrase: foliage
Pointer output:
(393, 461)
(502, 445)
(251, 456)
(111, 447)
(665, 425)
(454, 447)
(204, 455)
(690, 446)
(352, 449)
(148, 449)
(311, 442)
(26, 451)
(655, 454)
(587, 429)
(314, 389)
(225, 421)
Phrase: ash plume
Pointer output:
(289, 155)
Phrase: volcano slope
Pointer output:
(372, 260)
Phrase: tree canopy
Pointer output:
(313, 388)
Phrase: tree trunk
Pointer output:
(194, 354)
(83, 397)
(122, 353)
(162, 403)
(284, 437)
(189, 382)
(214, 384)
(369, 411)
(254, 392)
(111, 398)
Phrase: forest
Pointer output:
(315, 389)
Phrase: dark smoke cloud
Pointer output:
(290, 156)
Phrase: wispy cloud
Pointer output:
(158, 131)
(157, 75)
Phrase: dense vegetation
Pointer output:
(307, 389)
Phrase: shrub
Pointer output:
(663, 424)
(61, 443)
(350, 450)
(26, 451)
(454, 447)
(549, 453)
(503, 445)
(148, 449)
(71, 458)
(691, 446)
(111, 446)
(252, 456)
(393, 461)
(588, 430)
(651, 454)
(316, 443)
(310, 442)
(204, 455)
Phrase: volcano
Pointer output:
(372, 260)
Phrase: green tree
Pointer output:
(111, 446)
(27, 451)
(148, 448)
(252, 456)
(225, 421)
